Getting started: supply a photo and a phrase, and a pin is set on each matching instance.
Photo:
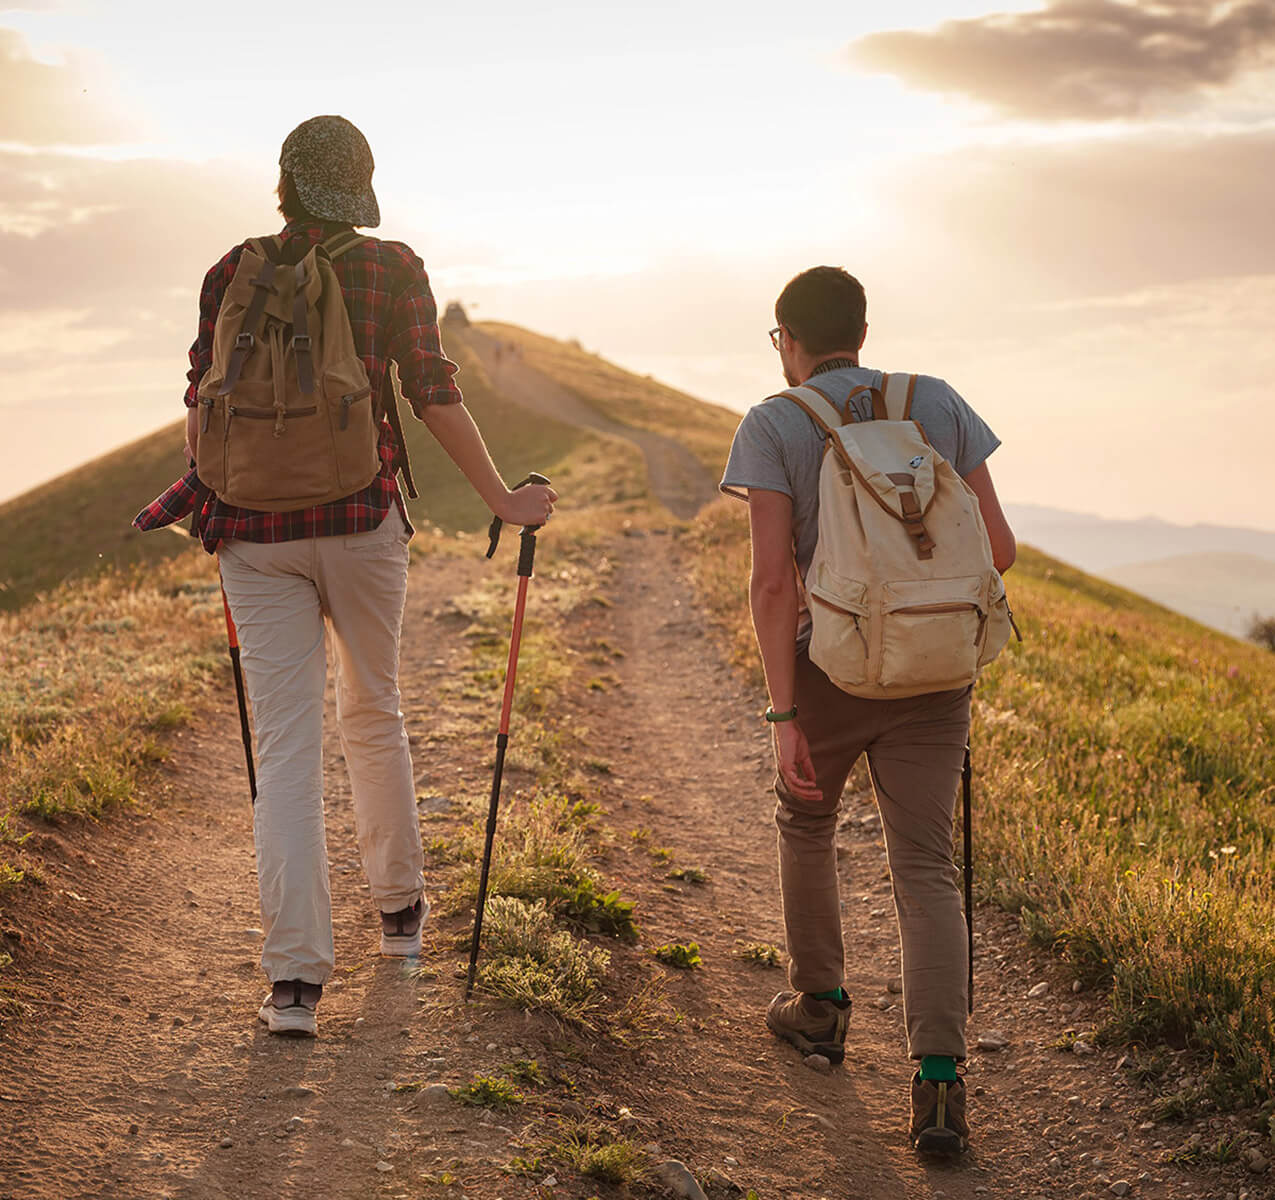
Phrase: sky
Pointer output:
(1063, 208)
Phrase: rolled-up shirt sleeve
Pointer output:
(426, 374)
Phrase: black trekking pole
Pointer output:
(966, 778)
(526, 562)
(232, 638)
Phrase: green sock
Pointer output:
(836, 994)
(938, 1067)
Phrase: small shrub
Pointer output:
(689, 874)
(488, 1092)
(763, 954)
(683, 955)
(525, 1071)
(597, 1154)
(591, 909)
(536, 966)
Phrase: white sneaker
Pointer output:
(401, 931)
(289, 1009)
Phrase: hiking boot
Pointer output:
(813, 1026)
(289, 1009)
(938, 1116)
(401, 931)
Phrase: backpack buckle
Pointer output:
(301, 343)
(243, 341)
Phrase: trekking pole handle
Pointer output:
(493, 531)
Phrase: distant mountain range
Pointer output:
(1220, 575)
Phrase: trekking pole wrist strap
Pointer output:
(775, 717)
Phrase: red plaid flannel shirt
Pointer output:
(392, 315)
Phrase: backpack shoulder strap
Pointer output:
(267, 247)
(339, 243)
(390, 392)
(897, 392)
(817, 407)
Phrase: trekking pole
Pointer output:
(526, 562)
(966, 779)
(232, 638)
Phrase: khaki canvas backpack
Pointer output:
(903, 594)
(287, 415)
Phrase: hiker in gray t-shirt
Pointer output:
(915, 747)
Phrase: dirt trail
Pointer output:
(144, 1073)
(677, 478)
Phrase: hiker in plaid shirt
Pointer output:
(343, 563)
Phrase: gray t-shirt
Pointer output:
(778, 448)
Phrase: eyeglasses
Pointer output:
(775, 335)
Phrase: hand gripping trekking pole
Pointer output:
(526, 563)
(232, 638)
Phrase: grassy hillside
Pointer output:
(79, 524)
(705, 429)
(1124, 764)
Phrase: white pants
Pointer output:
(280, 595)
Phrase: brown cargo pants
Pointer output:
(915, 750)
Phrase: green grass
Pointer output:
(1124, 766)
(542, 853)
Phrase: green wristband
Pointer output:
(772, 716)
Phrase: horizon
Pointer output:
(1044, 202)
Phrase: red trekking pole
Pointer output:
(232, 638)
(526, 562)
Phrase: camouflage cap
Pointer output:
(331, 164)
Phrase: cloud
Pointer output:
(112, 236)
(1086, 59)
(1004, 230)
(43, 104)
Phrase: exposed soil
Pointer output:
(140, 1070)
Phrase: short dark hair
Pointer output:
(290, 204)
(824, 308)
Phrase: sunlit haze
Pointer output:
(1067, 218)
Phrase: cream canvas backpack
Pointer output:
(903, 594)
(287, 415)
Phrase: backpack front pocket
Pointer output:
(273, 459)
(839, 643)
(932, 632)
(353, 424)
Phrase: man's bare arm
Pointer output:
(772, 595)
(1004, 545)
